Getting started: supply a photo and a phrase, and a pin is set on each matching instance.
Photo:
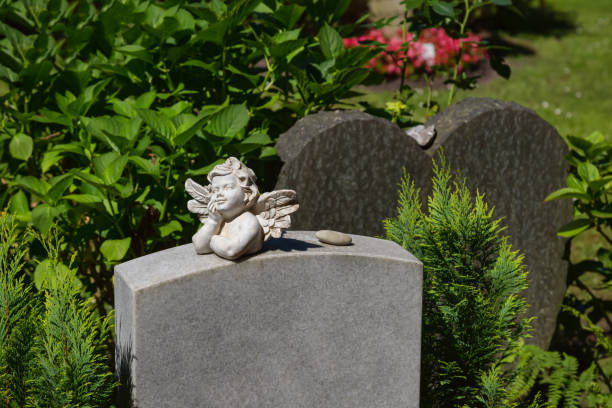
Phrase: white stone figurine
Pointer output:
(237, 220)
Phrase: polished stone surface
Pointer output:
(301, 324)
(346, 167)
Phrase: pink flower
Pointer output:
(432, 47)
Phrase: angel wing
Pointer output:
(201, 197)
(274, 209)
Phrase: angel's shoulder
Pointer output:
(246, 218)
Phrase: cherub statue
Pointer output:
(237, 220)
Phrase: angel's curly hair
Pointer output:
(246, 178)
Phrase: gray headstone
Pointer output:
(302, 324)
(346, 167)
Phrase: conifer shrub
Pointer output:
(472, 281)
(474, 325)
(52, 342)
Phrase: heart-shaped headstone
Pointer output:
(346, 167)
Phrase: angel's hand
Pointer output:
(213, 214)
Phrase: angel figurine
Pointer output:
(237, 220)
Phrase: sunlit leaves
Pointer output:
(109, 167)
(115, 249)
(331, 42)
(229, 121)
(21, 146)
(443, 8)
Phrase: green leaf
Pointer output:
(102, 125)
(188, 129)
(21, 146)
(602, 214)
(69, 148)
(169, 228)
(289, 15)
(258, 139)
(145, 100)
(268, 151)
(90, 178)
(176, 109)
(567, 192)
(230, 121)
(212, 67)
(146, 165)
(502, 2)
(18, 206)
(214, 33)
(587, 171)
(599, 183)
(575, 183)
(287, 35)
(204, 170)
(43, 216)
(47, 271)
(499, 66)
(579, 143)
(331, 42)
(49, 159)
(115, 249)
(60, 184)
(412, 4)
(33, 185)
(64, 102)
(109, 167)
(124, 108)
(443, 8)
(49, 116)
(158, 123)
(34, 74)
(83, 198)
(596, 138)
(288, 49)
(254, 79)
(575, 227)
(136, 51)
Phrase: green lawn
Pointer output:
(567, 81)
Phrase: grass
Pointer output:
(567, 80)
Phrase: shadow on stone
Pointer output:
(289, 245)
(123, 391)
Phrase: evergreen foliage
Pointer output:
(52, 350)
(473, 351)
(472, 306)
(17, 308)
(555, 379)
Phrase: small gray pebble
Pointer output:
(333, 237)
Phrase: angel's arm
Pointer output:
(201, 239)
(236, 246)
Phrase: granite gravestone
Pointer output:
(302, 324)
(347, 167)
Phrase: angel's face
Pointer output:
(227, 195)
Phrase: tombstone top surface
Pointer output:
(180, 262)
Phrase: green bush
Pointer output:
(589, 185)
(474, 329)
(472, 307)
(52, 343)
(553, 380)
(107, 107)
